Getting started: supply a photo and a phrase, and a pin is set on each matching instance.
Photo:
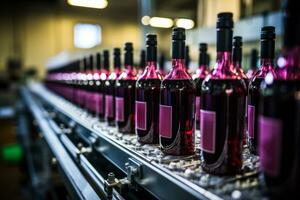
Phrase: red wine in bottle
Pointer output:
(267, 67)
(147, 97)
(125, 94)
(277, 121)
(222, 108)
(110, 85)
(198, 77)
(177, 103)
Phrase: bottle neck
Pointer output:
(150, 71)
(224, 60)
(129, 67)
(203, 59)
(202, 67)
(178, 64)
(128, 60)
(224, 49)
(151, 65)
(266, 62)
(151, 57)
(178, 50)
(267, 48)
(106, 64)
(224, 40)
(237, 64)
(237, 57)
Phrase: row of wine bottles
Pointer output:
(223, 103)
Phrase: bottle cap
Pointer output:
(178, 33)
(225, 20)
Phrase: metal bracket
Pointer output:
(134, 171)
(121, 185)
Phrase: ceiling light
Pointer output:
(161, 22)
(185, 23)
(145, 20)
(99, 4)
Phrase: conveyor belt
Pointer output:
(165, 177)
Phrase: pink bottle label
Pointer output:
(270, 135)
(251, 115)
(197, 108)
(165, 121)
(120, 109)
(88, 100)
(141, 115)
(109, 106)
(79, 97)
(94, 102)
(98, 103)
(208, 130)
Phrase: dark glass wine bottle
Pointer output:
(177, 103)
(222, 111)
(198, 77)
(277, 121)
(267, 49)
(125, 94)
(110, 85)
(147, 97)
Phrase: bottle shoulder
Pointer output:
(141, 83)
(223, 85)
(178, 84)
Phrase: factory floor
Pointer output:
(11, 176)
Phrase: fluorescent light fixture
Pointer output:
(145, 20)
(99, 4)
(161, 22)
(185, 23)
(87, 35)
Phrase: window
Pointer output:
(87, 35)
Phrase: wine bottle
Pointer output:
(222, 111)
(267, 49)
(147, 97)
(110, 85)
(277, 121)
(125, 94)
(177, 103)
(198, 77)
